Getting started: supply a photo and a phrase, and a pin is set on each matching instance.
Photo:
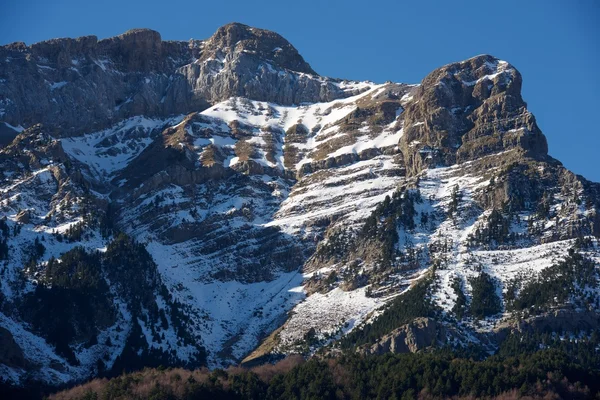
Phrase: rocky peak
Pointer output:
(140, 35)
(136, 50)
(83, 85)
(473, 72)
(264, 44)
(465, 110)
(60, 52)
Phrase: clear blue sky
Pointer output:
(555, 44)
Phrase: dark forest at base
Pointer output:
(563, 368)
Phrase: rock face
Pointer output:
(10, 352)
(561, 320)
(261, 65)
(23, 217)
(85, 84)
(467, 110)
(420, 334)
(265, 198)
(263, 44)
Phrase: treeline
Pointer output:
(550, 373)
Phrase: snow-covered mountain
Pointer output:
(208, 202)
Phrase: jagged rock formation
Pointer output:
(245, 205)
(74, 86)
(467, 110)
(560, 320)
(410, 338)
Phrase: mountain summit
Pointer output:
(85, 84)
(262, 44)
(213, 202)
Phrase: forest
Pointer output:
(561, 369)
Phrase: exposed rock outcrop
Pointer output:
(561, 320)
(85, 84)
(264, 44)
(467, 110)
(10, 352)
(410, 338)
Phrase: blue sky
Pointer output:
(554, 44)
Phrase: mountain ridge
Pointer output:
(261, 199)
(176, 76)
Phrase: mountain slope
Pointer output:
(200, 196)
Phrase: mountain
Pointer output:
(216, 201)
